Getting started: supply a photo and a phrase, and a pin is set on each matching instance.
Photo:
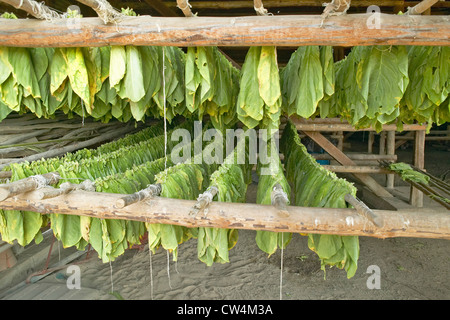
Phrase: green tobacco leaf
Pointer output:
(133, 81)
(5, 66)
(118, 65)
(23, 70)
(4, 111)
(268, 76)
(9, 93)
(250, 108)
(22, 226)
(78, 74)
(66, 228)
(58, 71)
(310, 90)
(383, 79)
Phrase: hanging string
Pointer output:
(168, 268)
(164, 105)
(281, 267)
(151, 271)
(82, 110)
(111, 273)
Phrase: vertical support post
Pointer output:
(370, 142)
(390, 150)
(383, 142)
(416, 196)
(340, 135)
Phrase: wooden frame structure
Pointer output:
(344, 30)
(313, 129)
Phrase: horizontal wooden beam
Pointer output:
(407, 223)
(346, 30)
(357, 169)
(334, 124)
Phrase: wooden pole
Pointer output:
(364, 210)
(357, 156)
(327, 127)
(421, 7)
(346, 30)
(357, 169)
(70, 148)
(104, 10)
(204, 200)
(407, 223)
(29, 184)
(416, 196)
(151, 191)
(184, 6)
(279, 200)
(390, 149)
(37, 10)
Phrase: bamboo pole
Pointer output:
(346, 30)
(406, 223)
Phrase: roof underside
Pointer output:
(234, 7)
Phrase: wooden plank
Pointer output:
(357, 156)
(345, 30)
(416, 197)
(402, 223)
(310, 126)
(346, 161)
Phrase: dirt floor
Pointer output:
(409, 268)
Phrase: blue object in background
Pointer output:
(322, 162)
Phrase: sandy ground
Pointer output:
(409, 268)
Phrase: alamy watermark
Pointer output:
(212, 147)
(374, 280)
(74, 279)
(374, 21)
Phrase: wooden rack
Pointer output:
(405, 223)
(313, 128)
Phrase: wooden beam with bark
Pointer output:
(348, 30)
(407, 223)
